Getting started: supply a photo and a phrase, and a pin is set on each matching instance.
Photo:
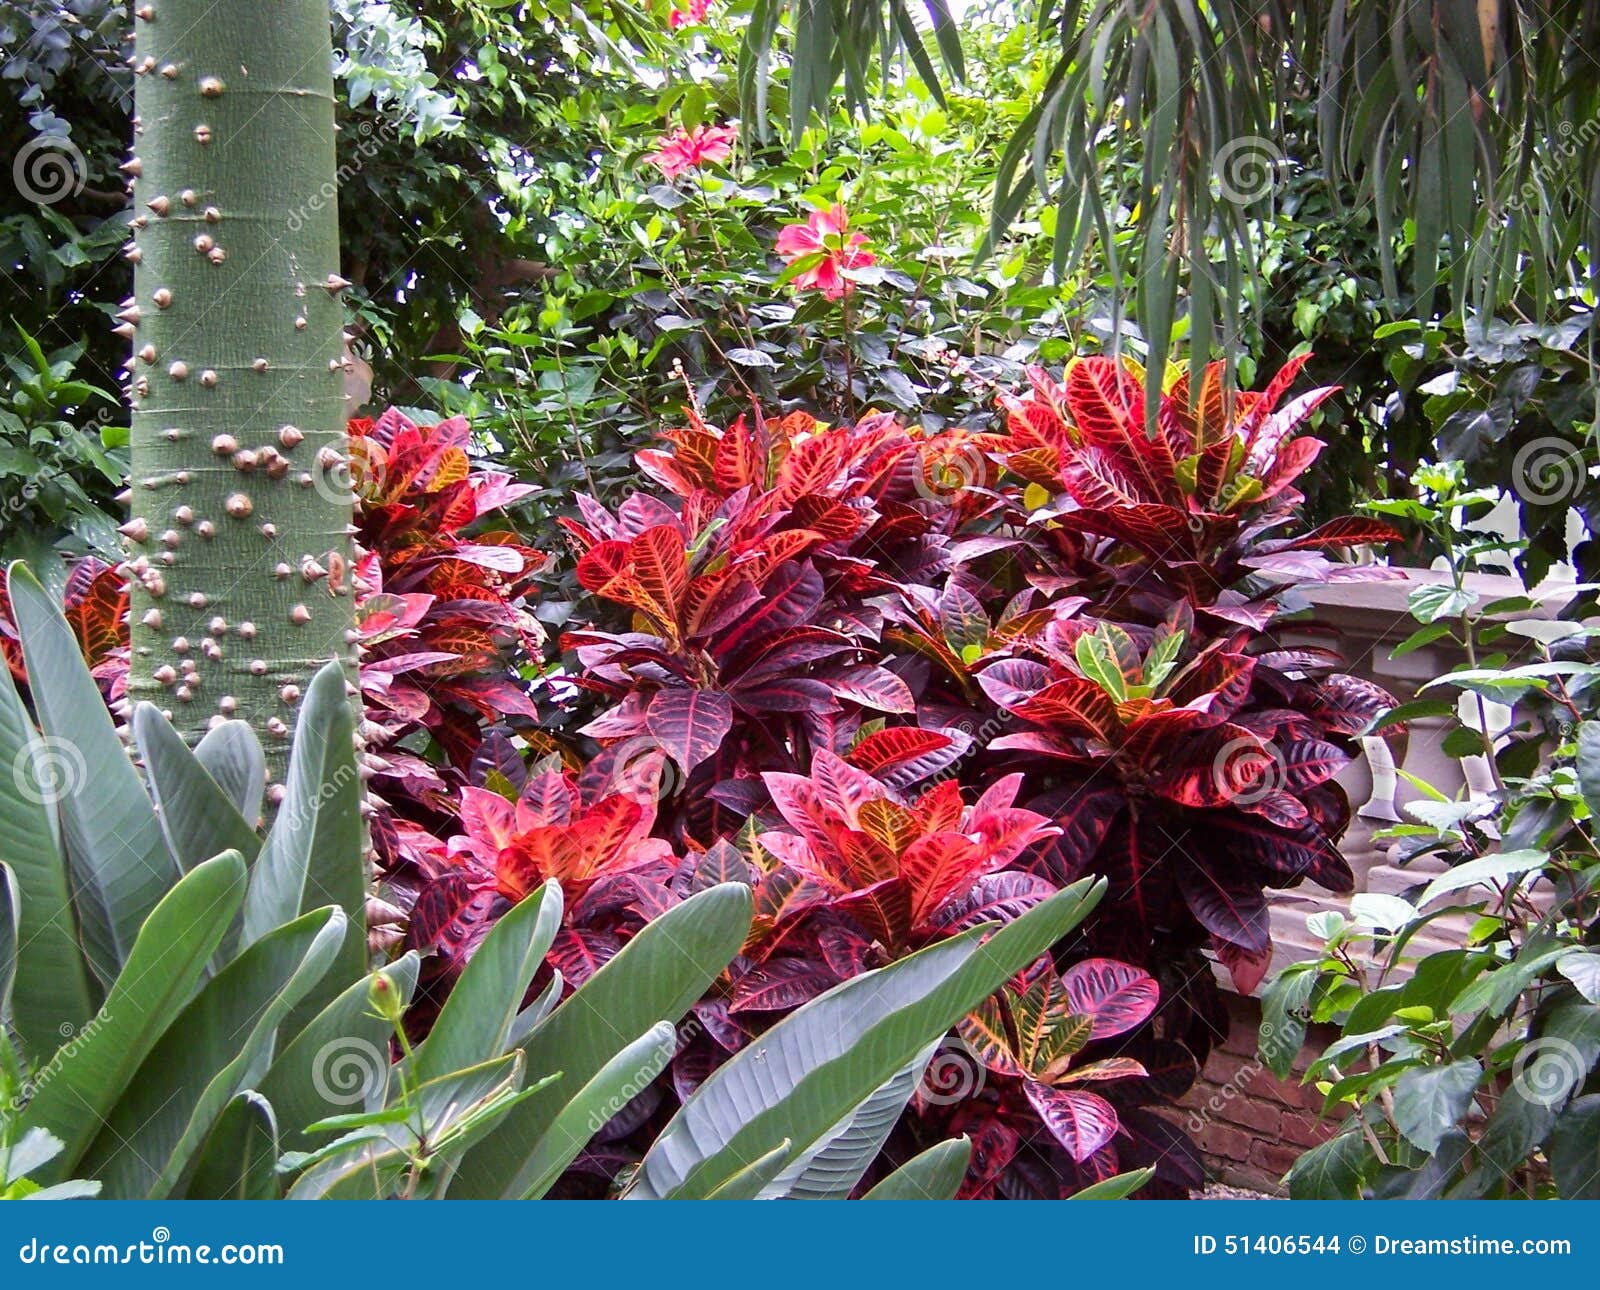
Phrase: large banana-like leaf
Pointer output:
(476, 1019)
(198, 817)
(659, 974)
(339, 1062)
(82, 1083)
(232, 756)
(751, 1181)
(240, 1157)
(616, 1084)
(118, 859)
(55, 987)
(803, 1076)
(935, 1174)
(835, 1163)
(205, 1058)
(10, 900)
(313, 856)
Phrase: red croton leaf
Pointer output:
(892, 749)
(1081, 1122)
(691, 724)
(1349, 530)
(96, 607)
(1114, 996)
(579, 952)
(660, 564)
(1230, 905)
(779, 985)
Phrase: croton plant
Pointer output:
(899, 684)
(913, 680)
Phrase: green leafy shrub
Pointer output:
(1472, 1071)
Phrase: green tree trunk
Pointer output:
(241, 506)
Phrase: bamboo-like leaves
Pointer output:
(1190, 112)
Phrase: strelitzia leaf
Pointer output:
(55, 988)
(476, 1019)
(659, 974)
(198, 818)
(313, 855)
(812, 1068)
(118, 858)
(81, 1085)
(239, 1159)
(935, 1174)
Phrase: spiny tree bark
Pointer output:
(241, 504)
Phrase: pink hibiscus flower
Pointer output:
(695, 13)
(690, 149)
(825, 233)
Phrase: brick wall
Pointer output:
(1250, 1125)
